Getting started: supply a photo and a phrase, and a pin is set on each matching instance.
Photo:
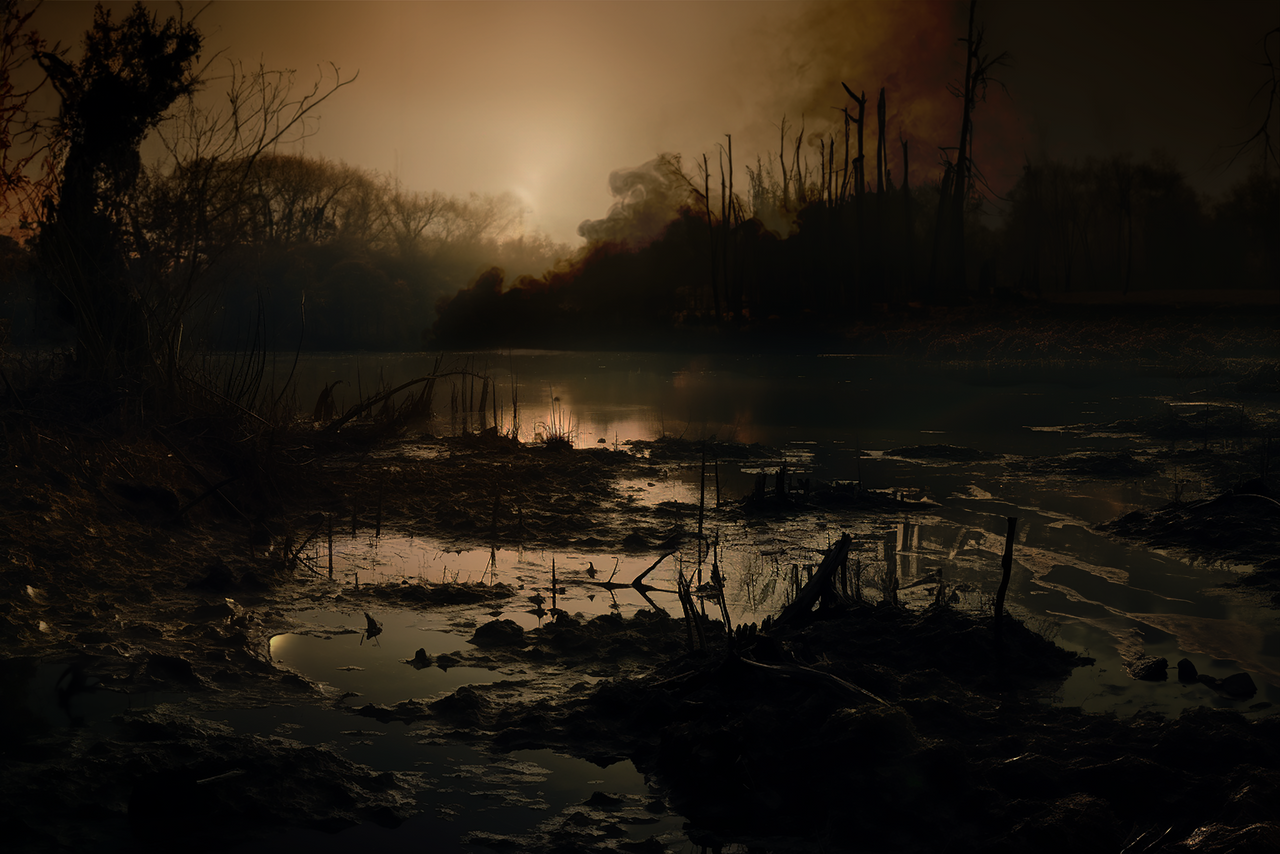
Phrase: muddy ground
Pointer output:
(864, 727)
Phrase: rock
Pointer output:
(635, 542)
(1239, 685)
(602, 799)
(420, 659)
(499, 633)
(1187, 671)
(464, 706)
(1149, 668)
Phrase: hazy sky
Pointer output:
(547, 98)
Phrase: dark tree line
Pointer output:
(232, 245)
(1123, 225)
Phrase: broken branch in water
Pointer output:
(640, 578)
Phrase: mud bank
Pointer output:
(1241, 525)
(879, 728)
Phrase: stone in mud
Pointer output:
(499, 633)
(1149, 668)
(1238, 685)
(603, 800)
(1187, 671)
(635, 542)
(464, 706)
(406, 711)
(420, 659)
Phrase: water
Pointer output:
(840, 417)
(833, 418)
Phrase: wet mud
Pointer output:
(1241, 525)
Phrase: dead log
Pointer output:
(821, 584)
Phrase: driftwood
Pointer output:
(822, 583)
(363, 407)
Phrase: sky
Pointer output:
(546, 99)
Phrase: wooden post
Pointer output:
(1006, 565)
(330, 548)
(702, 507)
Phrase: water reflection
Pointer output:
(833, 418)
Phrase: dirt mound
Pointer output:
(1240, 526)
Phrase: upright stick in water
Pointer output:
(1006, 565)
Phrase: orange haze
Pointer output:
(545, 99)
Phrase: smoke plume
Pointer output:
(647, 197)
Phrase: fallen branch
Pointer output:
(809, 674)
(821, 584)
(363, 407)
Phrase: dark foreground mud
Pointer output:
(167, 782)
(882, 729)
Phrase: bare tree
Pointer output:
(24, 140)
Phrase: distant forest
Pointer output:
(232, 244)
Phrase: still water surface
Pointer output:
(831, 418)
(839, 418)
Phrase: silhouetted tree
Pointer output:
(130, 74)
